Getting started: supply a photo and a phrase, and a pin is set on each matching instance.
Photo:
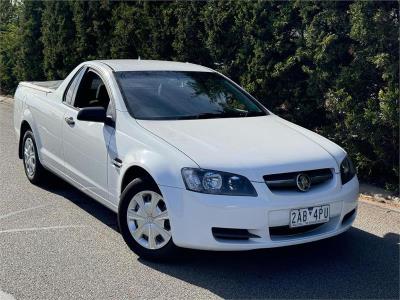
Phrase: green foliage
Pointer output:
(58, 36)
(330, 66)
(127, 33)
(93, 24)
(29, 53)
(189, 33)
(8, 44)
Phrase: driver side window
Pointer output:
(92, 92)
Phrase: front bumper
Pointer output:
(193, 215)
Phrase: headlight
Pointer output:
(347, 170)
(215, 182)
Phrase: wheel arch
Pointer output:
(28, 119)
(24, 127)
(133, 172)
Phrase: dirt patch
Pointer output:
(6, 99)
(375, 195)
(387, 204)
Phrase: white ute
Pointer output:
(185, 156)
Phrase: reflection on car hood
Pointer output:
(252, 146)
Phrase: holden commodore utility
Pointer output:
(185, 157)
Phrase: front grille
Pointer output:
(287, 231)
(287, 181)
(232, 234)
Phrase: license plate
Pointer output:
(308, 216)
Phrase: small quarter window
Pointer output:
(71, 90)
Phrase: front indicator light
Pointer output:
(347, 170)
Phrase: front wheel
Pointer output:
(144, 221)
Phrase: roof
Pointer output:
(151, 65)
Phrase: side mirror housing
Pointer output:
(92, 114)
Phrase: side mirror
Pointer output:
(92, 114)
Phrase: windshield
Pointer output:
(173, 95)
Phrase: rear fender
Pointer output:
(28, 117)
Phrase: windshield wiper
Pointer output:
(211, 115)
(255, 113)
(200, 116)
(230, 114)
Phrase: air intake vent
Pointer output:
(232, 234)
(348, 216)
(288, 181)
(287, 231)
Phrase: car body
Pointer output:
(275, 157)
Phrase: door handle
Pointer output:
(69, 120)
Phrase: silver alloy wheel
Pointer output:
(148, 220)
(29, 157)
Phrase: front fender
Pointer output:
(137, 147)
(165, 172)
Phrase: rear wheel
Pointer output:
(33, 168)
(144, 221)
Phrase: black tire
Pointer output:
(39, 171)
(169, 251)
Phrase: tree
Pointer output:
(189, 33)
(29, 54)
(126, 36)
(222, 37)
(272, 37)
(371, 84)
(93, 27)
(58, 35)
(8, 44)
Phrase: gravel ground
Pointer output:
(57, 243)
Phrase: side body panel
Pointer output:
(85, 152)
(43, 112)
(47, 114)
(135, 146)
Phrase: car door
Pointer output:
(85, 144)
